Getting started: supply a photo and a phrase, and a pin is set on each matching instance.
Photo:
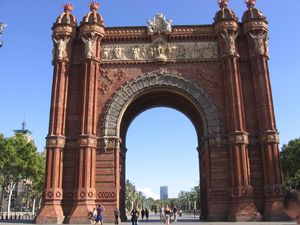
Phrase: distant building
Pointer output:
(27, 133)
(163, 192)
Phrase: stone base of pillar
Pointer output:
(50, 214)
(274, 211)
(243, 211)
(81, 214)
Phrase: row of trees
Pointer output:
(20, 161)
(187, 200)
(136, 198)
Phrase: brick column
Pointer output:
(256, 29)
(85, 193)
(242, 206)
(63, 34)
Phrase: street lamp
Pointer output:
(2, 26)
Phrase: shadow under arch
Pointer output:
(154, 90)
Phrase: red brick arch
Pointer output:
(216, 74)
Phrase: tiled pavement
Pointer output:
(185, 220)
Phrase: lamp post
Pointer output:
(2, 26)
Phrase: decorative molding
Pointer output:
(219, 193)
(274, 190)
(87, 141)
(119, 101)
(55, 141)
(270, 137)
(242, 191)
(109, 142)
(106, 195)
(239, 138)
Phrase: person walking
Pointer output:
(117, 215)
(134, 216)
(167, 214)
(143, 214)
(99, 218)
(175, 212)
(161, 213)
(147, 214)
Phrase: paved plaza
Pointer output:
(184, 220)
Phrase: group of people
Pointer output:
(167, 213)
(291, 205)
(135, 213)
(97, 215)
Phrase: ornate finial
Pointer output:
(68, 7)
(94, 6)
(250, 3)
(223, 3)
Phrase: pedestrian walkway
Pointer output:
(184, 220)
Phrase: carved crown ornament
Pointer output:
(159, 24)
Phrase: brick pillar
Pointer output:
(85, 194)
(242, 206)
(63, 34)
(91, 32)
(51, 211)
(256, 29)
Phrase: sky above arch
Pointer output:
(26, 70)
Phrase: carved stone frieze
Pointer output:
(160, 50)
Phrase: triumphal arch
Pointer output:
(216, 74)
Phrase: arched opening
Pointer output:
(160, 89)
(162, 151)
(162, 97)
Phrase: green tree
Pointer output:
(290, 163)
(19, 159)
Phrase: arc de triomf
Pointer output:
(217, 75)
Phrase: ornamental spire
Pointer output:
(68, 7)
(94, 6)
(250, 3)
(223, 3)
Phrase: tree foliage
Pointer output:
(290, 163)
(19, 159)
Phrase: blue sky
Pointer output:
(26, 76)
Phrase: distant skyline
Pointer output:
(161, 142)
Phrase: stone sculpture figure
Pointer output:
(230, 42)
(2, 26)
(259, 41)
(118, 52)
(106, 52)
(136, 53)
(89, 46)
(143, 52)
(61, 47)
